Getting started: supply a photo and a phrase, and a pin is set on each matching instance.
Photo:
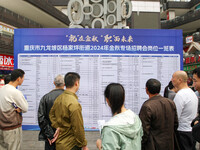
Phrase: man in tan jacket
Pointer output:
(66, 117)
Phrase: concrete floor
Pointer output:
(30, 140)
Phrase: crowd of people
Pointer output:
(169, 122)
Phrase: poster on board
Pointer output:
(100, 56)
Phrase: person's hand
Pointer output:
(18, 110)
(56, 135)
(49, 141)
(85, 148)
(98, 144)
(196, 122)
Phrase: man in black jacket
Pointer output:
(46, 131)
(196, 122)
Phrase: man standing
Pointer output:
(186, 103)
(66, 117)
(159, 119)
(196, 122)
(12, 103)
(196, 84)
(46, 131)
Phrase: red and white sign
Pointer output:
(189, 39)
(6, 62)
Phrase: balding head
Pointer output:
(182, 75)
(179, 79)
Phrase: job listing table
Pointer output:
(96, 71)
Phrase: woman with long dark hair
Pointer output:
(124, 130)
(170, 91)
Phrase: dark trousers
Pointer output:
(185, 140)
(50, 147)
(76, 148)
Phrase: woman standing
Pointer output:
(170, 91)
(124, 130)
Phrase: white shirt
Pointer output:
(186, 104)
(8, 95)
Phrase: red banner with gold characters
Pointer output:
(6, 62)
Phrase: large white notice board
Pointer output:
(129, 57)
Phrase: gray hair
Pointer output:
(59, 81)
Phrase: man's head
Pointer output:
(17, 75)
(72, 80)
(179, 79)
(196, 79)
(153, 87)
(59, 81)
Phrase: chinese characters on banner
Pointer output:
(100, 56)
(6, 28)
(119, 43)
